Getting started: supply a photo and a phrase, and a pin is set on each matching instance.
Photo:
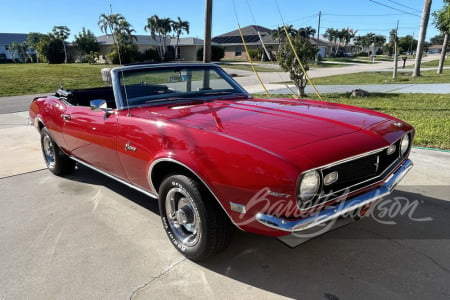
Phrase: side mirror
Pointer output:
(100, 105)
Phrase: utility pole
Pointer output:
(394, 75)
(318, 35)
(208, 26)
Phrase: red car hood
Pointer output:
(280, 125)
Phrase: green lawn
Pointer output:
(23, 79)
(428, 113)
(403, 76)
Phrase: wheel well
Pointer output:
(40, 125)
(165, 168)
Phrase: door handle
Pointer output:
(66, 117)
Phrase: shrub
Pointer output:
(150, 55)
(217, 53)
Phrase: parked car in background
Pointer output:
(215, 158)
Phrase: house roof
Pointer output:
(188, 41)
(8, 38)
(250, 34)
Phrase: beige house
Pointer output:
(186, 49)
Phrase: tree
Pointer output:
(86, 42)
(278, 34)
(370, 40)
(288, 61)
(125, 49)
(21, 49)
(407, 43)
(162, 27)
(39, 42)
(422, 34)
(306, 32)
(332, 35)
(179, 27)
(442, 23)
(62, 33)
(35, 41)
(437, 39)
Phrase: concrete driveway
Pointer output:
(88, 237)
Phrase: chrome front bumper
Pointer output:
(340, 209)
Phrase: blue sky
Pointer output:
(378, 16)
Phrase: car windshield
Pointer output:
(151, 85)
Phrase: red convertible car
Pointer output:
(216, 158)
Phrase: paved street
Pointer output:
(87, 237)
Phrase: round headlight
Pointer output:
(404, 144)
(309, 186)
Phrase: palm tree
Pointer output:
(306, 32)
(278, 34)
(178, 27)
(62, 33)
(332, 35)
(442, 23)
(161, 26)
(422, 34)
(110, 23)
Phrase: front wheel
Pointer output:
(56, 160)
(194, 223)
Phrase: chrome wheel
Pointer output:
(182, 216)
(56, 160)
(49, 151)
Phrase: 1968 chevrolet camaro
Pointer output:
(215, 158)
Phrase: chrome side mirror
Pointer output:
(101, 105)
(98, 105)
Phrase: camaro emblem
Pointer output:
(128, 147)
(377, 164)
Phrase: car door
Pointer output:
(91, 136)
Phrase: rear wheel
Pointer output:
(195, 225)
(56, 160)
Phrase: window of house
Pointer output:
(238, 51)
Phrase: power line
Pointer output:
(339, 15)
(402, 5)
(388, 6)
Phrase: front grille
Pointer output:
(361, 169)
(356, 174)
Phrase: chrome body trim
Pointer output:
(340, 209)
(115, 178)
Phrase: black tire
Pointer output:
(56, 160)
(194, 222)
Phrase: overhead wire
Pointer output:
(296, 55)
(267, 53)
(248, 54)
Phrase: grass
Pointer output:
(403, 76)
(23, 79)
(428, 113)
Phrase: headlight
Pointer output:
(404, 144)
(309, 186)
